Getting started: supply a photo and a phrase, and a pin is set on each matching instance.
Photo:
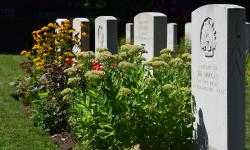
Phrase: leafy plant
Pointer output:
(128, 102)
(48, 58)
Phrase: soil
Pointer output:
(64, 139)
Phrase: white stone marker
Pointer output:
(106, 33)
(150, 31)
(218, 75)
(188, 29)
(129, 33)
(60, 21)
(82, 30)
(172, 36)
(247, 37)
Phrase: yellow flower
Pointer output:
(23, 52)
(45, 54)
(66, 21)
(39, 51)
(56, 42)
(45, 29)
(66, 59)
(83, 25)
(39, 67)
(40, 63)
(56, 62)
(84, 34)
(59, 58)
(36, 59)
(51, 25)
(69, 54)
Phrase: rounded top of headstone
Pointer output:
(188, 23)
(210, 7)
(129, 23)
(153, 14)
(81, 19)
(172, 24)
(60, 20)
(106, 18)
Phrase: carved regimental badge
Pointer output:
(208, 37)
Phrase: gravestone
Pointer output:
(82, 31)
(106, 33)
(150, 31)
(60, 21)
(129, 33)
(247, 37)
(172, 36)
(218, 77)
(188, 28)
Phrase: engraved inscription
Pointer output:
(208, 37)
(208, 79)
(143, 32)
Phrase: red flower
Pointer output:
(97, 66)
(113, 65)
(70, 61)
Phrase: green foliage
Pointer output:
(248, 69)
(184, 46)
(128, 102)
(47, 60)
(16, 129)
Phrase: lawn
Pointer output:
(16, 130)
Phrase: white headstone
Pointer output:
(172, 36)
(129, 33)
(218, 77)
(247, 37)
(150, 31)
(60, 21)
(106, 33)
(188, 29)
(82, 30)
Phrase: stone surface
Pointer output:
(106, 33)
(218, 75)
(247, 37)
(150, 31)
(129, 33)
(172, 36)
(188, 29)
(60, 21)
(82, 31)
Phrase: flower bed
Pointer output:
(108, 101)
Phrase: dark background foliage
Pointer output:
(19, 18)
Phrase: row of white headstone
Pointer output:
(218, 39)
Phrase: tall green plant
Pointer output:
(128, 102)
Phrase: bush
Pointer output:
(110, 101)
(48, 58)
(128, 102)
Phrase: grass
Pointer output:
(16, 130)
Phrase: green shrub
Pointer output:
(49, 57)
(128, 102)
